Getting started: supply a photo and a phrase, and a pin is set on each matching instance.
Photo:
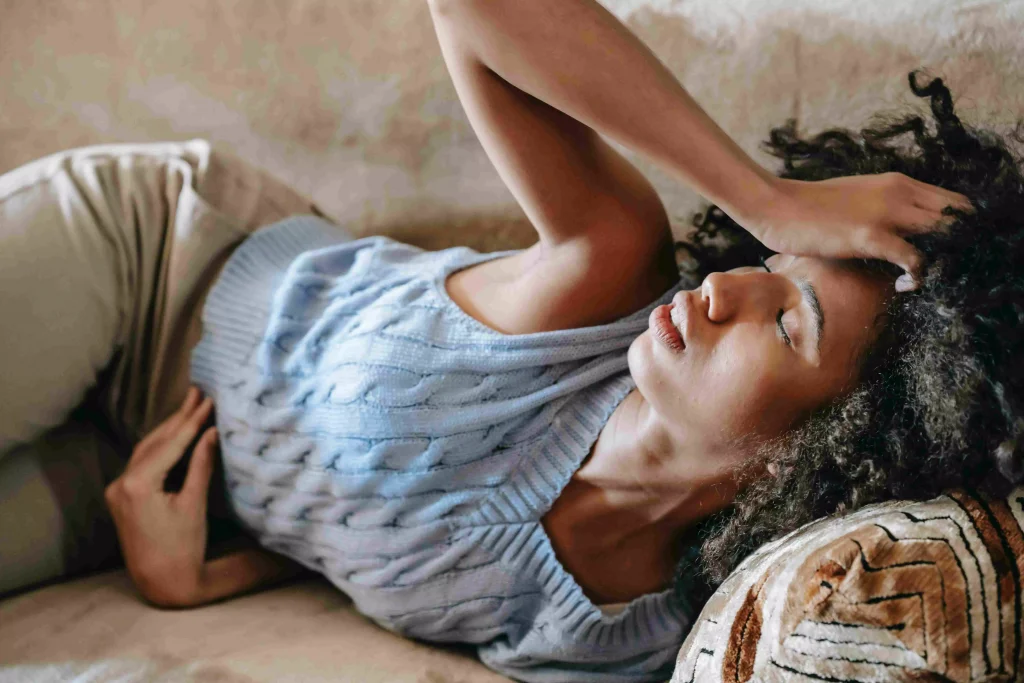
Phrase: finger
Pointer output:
(163, 458)
(906, 283)
(897, 250)
(193, 399)
(170, 425)
(196, 488)
(913, 220)
(192, 424)
(931, 200)
(938, 198)
(154, 442)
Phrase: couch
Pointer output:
(350, 102)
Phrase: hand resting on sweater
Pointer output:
(163, 534)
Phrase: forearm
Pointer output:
(579, 58)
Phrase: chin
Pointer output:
(634, 350)
(640, 358)
(658, 381)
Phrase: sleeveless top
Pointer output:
(375, 432)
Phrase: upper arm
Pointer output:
(570, 182)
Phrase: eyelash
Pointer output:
(778, 316)
(782, 329)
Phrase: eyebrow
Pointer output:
(811, 298)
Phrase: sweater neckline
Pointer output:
(654, 617)
(452, 265)
(639, 610)
(465, 257)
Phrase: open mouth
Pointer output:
(665, 325)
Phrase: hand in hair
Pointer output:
(940, 399)
(864, 216)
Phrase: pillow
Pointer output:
(897, 591)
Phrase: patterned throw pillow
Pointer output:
(899, 591)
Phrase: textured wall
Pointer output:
(350, 101)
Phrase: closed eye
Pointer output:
(778, 316)
(782, 328)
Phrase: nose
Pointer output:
(723, 294)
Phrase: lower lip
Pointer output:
(663, 329)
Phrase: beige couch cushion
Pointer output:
(96, 629)
(901, 591)
(350, 102)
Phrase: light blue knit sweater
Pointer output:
(375, 432)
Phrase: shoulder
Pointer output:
(573, 284)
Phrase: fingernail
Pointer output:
(905, 283)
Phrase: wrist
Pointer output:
(242, 571)
(172, 592)
(762, 199)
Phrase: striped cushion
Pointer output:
(899, 591)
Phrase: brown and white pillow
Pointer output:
(898, 591)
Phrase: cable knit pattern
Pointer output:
(375, 432)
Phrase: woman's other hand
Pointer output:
(163, 535)
(864, 216)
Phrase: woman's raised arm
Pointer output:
(579, 58)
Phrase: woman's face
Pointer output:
(761, 350)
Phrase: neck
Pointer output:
(646, 477)
(617, 524)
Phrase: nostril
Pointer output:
(705, 289)
(714, 297)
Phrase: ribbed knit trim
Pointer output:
(654, 618)
(609, 334)
(241, 299)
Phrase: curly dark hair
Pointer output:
(940, 403)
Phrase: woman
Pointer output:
(500, 448)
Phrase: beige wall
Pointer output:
(350, 101)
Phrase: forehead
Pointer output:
(851, 301)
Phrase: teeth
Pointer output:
(675, 318)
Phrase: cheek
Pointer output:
(748, 389)
(736, 380)
(736, 388)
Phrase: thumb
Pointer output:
(196, 487)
